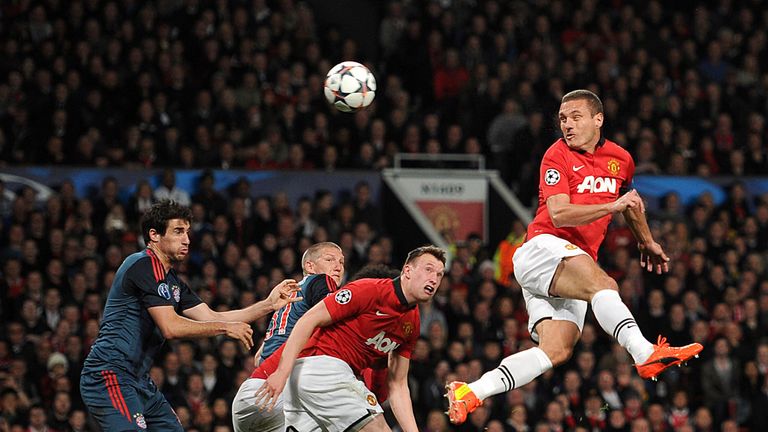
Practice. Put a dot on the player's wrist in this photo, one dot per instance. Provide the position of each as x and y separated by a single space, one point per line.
645 244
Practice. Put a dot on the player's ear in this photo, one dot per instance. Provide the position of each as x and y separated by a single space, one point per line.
599 120
407 270
154 235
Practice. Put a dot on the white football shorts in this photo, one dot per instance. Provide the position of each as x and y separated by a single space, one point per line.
246 417
322 394
535 264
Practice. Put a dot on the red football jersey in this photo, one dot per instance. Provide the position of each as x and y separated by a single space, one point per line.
586 178
371 318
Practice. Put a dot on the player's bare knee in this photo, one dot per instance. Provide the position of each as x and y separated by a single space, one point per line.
557 354
602 282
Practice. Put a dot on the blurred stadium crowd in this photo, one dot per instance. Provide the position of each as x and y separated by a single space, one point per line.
237 84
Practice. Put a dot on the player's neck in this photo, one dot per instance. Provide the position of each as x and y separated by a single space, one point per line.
407 293
164 260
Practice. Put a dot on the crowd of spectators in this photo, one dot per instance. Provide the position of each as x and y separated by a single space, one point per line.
237 84
59 258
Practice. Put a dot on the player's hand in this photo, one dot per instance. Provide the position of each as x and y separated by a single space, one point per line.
653 257
283 293
631 200
242 332
266 396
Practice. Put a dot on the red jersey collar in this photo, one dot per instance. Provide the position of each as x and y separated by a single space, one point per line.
599 144
399 293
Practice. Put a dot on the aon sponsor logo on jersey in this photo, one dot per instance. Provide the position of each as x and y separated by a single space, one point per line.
383 344
594 184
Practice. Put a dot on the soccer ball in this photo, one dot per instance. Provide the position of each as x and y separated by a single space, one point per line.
349 86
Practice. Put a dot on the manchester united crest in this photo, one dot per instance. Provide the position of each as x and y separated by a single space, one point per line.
613 166
407 328
371 400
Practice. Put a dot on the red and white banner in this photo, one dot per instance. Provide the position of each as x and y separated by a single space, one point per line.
453 205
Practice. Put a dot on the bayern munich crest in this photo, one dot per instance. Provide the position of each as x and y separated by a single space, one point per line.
551 177
343 296
139 419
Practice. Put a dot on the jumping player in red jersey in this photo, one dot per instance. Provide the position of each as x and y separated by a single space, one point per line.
367 320
584 180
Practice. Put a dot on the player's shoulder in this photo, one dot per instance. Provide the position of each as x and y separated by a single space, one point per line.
368 288
557 147
557 151
143 263
617 150
320 280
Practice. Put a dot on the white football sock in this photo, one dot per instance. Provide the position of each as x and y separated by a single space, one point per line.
616 319
514 371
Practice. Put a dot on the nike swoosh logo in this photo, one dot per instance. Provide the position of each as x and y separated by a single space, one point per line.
576 168
380 313
664 360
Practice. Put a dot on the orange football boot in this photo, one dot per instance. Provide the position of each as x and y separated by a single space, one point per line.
665 356
461 401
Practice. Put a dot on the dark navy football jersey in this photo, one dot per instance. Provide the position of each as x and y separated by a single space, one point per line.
128 337
314 288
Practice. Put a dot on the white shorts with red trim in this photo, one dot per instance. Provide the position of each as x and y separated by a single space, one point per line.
535 264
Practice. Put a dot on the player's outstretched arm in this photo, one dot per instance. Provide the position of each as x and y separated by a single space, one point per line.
399 395
565 214
282 294
318 316
652 255
174 326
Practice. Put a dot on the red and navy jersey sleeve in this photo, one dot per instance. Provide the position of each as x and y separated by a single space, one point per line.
146 278
318 288
188 298
352 300
553 174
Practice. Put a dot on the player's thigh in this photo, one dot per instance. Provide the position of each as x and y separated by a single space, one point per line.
537 261
112 400
322 393
377 424
159 414
579 277
247 417
541 309
557 338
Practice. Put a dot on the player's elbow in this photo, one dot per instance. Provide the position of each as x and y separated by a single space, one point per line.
169 333
557 218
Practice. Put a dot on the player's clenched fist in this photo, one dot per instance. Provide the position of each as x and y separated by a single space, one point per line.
242 332
631 200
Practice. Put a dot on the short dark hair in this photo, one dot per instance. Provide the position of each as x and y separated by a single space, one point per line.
594 102
424 250
159 214
375 271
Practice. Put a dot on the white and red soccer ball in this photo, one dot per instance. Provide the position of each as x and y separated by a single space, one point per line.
349 86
